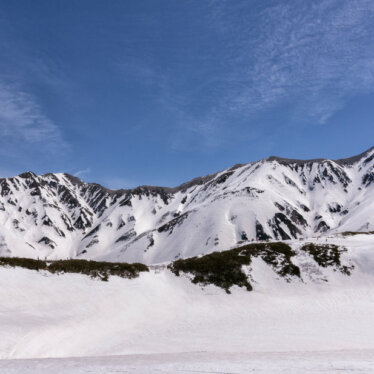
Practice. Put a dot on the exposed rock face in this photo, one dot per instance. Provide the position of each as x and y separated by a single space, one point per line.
60 216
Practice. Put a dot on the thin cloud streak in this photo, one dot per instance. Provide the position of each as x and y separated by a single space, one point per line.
314 55
82 172
23 121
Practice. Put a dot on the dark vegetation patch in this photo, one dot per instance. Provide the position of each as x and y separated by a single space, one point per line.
224 269
353 233
95 269
99 269
27 263
328 255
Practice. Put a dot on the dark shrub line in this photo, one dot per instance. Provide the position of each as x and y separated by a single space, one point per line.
99 269
327 255
353 233
224 269
27 263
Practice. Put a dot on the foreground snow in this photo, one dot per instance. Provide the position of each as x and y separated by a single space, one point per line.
229 363
46 315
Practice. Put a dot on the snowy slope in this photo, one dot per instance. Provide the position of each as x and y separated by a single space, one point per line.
49 315
60 216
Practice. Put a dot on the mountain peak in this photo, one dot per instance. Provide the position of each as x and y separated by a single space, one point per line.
28 174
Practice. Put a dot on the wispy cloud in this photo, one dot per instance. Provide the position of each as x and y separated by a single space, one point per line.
23 121
304 58
82 172
312 56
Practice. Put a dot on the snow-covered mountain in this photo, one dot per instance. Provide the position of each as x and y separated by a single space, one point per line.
60 216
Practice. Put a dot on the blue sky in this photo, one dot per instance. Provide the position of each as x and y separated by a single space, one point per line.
131 92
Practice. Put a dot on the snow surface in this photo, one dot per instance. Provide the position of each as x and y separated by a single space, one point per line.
47 315
332 362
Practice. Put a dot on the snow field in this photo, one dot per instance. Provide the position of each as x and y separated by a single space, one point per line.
331 362
49 315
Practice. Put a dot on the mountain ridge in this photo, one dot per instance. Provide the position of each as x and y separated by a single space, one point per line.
59 215
196 180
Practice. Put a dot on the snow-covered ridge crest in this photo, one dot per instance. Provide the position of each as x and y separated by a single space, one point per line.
60 216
